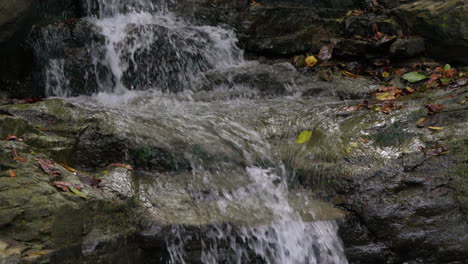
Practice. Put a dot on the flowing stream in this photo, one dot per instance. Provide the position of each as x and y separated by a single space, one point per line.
150 68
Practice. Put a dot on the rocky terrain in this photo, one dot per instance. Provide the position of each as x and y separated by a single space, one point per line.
396 185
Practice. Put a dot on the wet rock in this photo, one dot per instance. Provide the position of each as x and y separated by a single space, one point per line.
17 18
407 47
443 24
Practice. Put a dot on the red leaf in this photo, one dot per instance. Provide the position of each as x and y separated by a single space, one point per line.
65 185
434 108
11 137
33 100
48 167
15 156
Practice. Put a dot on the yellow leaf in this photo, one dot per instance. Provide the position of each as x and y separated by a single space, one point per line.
349 12
377 108
436 128
420 121
311 61
37 253
409 89
352 145
385 74
68 168
78 193
303 137
384 96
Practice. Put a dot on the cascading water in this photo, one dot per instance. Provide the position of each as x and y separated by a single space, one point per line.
140 45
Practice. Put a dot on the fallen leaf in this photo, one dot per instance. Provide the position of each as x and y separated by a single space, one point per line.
48 167
15 156
420 122
128 167
65 186
434 108
387 108
435 128
11 137
414 77
78 193
352 145
462 102
303 137
12 173
436 150
254 3
434 77
36 253
68 168
91 181
450 73
310 61
356 12
409 89
384 96
62 186
349 74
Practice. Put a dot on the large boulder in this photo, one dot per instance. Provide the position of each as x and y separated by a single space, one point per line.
444 24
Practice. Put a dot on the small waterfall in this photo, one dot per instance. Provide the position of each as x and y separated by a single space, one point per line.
114 50
140 45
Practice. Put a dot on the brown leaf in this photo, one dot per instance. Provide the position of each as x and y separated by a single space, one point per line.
48 167
450 73
349 74
434 108
254 3
91 181
15 156
12 173
387 108
434 77
128 167
326 52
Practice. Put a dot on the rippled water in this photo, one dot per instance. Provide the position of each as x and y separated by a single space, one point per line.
235 186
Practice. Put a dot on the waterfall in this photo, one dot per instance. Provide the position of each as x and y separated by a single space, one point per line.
140 45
